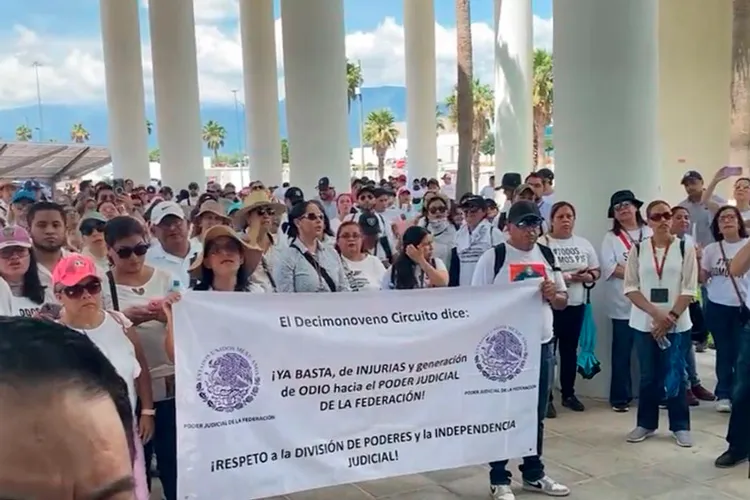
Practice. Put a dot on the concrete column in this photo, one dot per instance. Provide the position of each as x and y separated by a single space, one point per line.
261 90
123 71
316 90
606 122
421 93
178 119
514 53
695 73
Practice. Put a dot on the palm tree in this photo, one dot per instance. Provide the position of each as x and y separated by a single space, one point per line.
149 126
464 116
154 155
439 116
542 95
739 153
79 134
353 82
381 133
284 150
23 133
483 110
213 135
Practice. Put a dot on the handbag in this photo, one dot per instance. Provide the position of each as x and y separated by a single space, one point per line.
744 311
320 269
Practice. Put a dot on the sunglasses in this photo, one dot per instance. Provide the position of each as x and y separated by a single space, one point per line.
658 217
10 252
438 210
107 197
264 211
230 247
350 236
77 291
366 198
529 223
313 217
258 187
88 227
622 206
126 252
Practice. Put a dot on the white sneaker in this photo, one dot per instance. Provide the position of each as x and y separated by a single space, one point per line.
547 486
724 406
501 492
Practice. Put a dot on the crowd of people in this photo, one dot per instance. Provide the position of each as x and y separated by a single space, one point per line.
109 260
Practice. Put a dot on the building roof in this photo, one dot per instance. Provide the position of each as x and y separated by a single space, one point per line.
51 162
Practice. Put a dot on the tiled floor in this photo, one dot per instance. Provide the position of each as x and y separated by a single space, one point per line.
588 453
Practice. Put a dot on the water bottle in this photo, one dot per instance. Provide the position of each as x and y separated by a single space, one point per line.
663 343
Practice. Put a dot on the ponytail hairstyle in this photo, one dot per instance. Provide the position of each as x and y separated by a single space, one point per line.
403 276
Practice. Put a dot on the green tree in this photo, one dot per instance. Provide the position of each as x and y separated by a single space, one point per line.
542 95
213 135
284 150
154 155
488 145
463 112
439 120
353 82
149 126
23 133
79 134
381 134
483 111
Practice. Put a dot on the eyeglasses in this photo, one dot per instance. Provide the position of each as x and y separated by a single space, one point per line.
107 197
438 210
622 206
89 226
258 187
366 197
350 236
658 217
533 223
727 217
313 217
77 291
126 252
8 253
472 210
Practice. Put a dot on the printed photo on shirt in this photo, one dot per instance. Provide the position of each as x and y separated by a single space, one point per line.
525 271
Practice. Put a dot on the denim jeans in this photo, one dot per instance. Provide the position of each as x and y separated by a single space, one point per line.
654 365
164 444
621 384
726 328
532 468
567 327
691 372
738 435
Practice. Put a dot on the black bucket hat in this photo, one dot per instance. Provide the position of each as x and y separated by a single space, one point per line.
620 197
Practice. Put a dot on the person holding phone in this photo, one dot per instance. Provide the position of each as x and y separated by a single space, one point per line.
740 193
697 204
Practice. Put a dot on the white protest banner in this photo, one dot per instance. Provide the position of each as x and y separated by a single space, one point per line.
283 393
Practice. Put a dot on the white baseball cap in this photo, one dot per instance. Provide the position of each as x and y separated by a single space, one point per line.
164 209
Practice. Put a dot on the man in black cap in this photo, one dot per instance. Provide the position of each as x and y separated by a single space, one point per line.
508 185
373 242
292 196
700 215
327 197
522 258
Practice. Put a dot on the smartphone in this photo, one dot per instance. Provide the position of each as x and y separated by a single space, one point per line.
51 310
119 186
732 171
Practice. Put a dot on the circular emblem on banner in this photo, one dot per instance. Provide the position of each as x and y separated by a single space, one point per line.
501 355
228 379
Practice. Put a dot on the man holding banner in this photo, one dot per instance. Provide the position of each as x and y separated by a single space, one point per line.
522 259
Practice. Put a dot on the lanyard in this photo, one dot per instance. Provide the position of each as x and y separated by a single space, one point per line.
660 266
627 240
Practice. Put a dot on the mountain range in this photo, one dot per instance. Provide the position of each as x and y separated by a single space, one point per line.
59 118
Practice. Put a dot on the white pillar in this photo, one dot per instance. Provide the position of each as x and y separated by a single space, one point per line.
513 85
178 120
316 93
261 90
123 71
695 71
421 93
606 113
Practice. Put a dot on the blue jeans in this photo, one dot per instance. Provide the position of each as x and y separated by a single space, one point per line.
164 444
691 373
654 365
532 468
726 328
621 384
738 435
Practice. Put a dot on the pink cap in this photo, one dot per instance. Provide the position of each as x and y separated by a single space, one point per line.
14 236
72 269
404 190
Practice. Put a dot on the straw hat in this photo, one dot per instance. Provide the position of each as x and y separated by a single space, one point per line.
257 199
252 253
213 207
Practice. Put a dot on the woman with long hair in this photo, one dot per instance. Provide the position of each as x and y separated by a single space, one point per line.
21 290
579 264
725 317
327 237
363 270
740 193
226 262
344 205
628 230
256 219
308 265
415 266
661 280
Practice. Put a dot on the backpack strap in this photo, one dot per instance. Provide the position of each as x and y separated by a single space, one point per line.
500 252
549 256
682 249
113 291
454 268
386 248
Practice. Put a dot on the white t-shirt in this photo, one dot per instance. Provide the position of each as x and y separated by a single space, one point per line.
719 286
10 305
470 246
423 281
520 266
110 338
449 190
573 254
157 257
615 251
487 192
151 333
364 275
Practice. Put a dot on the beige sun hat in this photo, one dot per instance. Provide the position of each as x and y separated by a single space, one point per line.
257 199
213 207
252 253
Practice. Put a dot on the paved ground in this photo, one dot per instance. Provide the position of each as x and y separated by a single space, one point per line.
588 452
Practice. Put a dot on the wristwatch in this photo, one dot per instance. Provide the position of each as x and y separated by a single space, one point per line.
148 413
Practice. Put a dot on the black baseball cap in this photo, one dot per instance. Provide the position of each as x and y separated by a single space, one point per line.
511 181
324 183
367 188
690 176
473 201
193 186
369 224
294 194
546 174
524 212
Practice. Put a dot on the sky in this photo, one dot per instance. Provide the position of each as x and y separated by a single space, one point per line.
65 38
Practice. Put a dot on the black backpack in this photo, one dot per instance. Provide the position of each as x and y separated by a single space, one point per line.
500 252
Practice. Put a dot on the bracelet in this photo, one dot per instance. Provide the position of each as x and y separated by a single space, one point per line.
673 315
148 413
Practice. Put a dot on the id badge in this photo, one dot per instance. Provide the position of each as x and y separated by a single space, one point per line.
659 295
